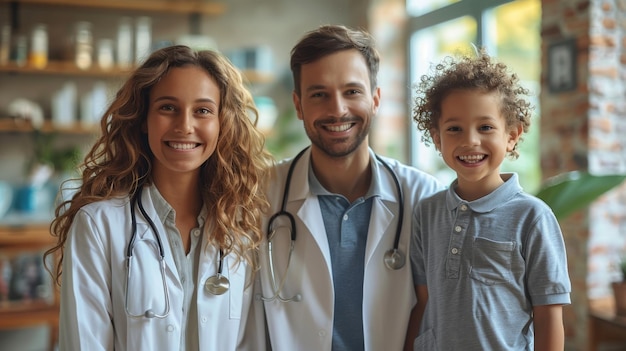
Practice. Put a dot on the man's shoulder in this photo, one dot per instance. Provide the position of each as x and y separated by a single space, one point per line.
407 172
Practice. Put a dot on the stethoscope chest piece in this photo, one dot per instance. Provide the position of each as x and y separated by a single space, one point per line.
217 284
394 259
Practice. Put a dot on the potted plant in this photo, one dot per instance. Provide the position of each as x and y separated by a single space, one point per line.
48 163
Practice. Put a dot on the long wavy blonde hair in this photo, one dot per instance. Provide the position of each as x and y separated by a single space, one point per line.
232 180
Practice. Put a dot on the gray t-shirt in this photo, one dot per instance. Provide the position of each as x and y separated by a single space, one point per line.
486 264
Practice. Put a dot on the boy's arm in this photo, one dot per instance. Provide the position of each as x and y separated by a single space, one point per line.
548 325
416 317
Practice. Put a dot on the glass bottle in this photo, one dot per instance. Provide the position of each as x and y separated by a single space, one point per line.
83 45
125 43
38 56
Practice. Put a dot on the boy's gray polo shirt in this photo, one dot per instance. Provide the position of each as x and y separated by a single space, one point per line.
486 264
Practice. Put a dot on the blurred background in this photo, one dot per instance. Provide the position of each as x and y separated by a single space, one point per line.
62 60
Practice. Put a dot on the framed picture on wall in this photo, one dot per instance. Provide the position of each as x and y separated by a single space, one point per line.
562 66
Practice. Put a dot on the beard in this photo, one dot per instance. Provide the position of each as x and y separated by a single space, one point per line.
334 146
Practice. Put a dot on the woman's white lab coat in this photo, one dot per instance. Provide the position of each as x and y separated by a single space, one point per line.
388 295
93 315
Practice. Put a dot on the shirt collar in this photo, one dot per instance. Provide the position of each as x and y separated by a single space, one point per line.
489 202
374 190
165 211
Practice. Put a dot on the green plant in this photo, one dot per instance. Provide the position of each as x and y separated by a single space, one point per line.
61 160
572 191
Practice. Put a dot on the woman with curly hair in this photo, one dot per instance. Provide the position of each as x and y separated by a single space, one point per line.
157 246
490 262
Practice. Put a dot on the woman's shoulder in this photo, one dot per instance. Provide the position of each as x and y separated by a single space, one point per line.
109 207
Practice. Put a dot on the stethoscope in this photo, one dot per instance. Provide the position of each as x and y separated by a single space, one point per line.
216 284
393 259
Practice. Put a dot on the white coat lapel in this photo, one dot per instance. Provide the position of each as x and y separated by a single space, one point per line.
309 212
311 216
381 231
380 222
170 266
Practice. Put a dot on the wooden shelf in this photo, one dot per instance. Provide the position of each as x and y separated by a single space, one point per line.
257 77
171 6
29 313
65 68
26 235
11 125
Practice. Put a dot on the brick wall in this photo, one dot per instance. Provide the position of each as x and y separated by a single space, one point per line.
583 129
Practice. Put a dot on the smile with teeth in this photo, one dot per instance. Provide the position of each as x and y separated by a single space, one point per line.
472 158
182 146
339 128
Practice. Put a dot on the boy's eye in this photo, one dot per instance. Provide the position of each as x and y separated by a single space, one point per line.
453 129
167 108
486 128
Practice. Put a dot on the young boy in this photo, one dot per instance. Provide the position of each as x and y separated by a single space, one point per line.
489 260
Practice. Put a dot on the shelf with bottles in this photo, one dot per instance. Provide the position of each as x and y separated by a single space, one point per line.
179 6
24 282
28 295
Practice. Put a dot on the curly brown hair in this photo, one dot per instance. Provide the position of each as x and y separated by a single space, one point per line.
232 179
480 72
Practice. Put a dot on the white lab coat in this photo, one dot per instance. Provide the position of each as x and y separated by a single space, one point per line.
388 295
93 315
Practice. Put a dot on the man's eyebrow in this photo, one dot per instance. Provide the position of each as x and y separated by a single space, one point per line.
315 87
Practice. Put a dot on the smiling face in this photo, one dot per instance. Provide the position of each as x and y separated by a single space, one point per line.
336 103
183 121
473 139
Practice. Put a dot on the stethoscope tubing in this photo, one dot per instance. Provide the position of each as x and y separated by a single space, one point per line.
393 259
283 210
136 201
216 285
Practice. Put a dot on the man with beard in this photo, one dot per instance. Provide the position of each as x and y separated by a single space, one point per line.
335 271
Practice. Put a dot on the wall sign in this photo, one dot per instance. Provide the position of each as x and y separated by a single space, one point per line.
562 66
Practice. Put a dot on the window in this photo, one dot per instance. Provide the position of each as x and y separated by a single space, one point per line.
509 30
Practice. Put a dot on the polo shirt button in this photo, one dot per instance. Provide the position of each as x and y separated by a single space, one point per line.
458 228
321 333
455 251
463 207
195 232
345 217
170 328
